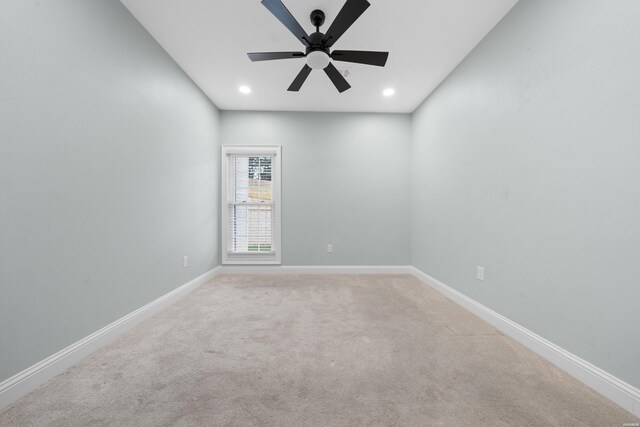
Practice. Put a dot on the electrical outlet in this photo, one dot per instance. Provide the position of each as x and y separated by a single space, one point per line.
330 248
480 273
185 261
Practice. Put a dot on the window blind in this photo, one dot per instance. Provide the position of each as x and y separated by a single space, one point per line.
251 211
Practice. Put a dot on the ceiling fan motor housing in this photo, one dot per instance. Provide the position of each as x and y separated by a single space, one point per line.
317 55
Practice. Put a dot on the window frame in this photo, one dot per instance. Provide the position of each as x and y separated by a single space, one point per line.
228 151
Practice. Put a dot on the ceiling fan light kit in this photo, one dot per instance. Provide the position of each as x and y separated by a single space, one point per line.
318 45
317 60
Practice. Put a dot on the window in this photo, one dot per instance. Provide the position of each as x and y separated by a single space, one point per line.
251 204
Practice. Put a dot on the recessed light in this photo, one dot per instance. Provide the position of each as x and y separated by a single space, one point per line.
388 92
245 90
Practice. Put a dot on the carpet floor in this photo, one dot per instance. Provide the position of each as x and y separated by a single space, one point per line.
296 350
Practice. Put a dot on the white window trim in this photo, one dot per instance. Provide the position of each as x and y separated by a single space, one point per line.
275 256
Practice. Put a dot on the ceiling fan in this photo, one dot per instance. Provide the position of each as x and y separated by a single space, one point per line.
318 45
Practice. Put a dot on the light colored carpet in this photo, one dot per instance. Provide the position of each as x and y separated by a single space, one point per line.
314 350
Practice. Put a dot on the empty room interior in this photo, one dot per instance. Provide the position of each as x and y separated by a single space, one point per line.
320 212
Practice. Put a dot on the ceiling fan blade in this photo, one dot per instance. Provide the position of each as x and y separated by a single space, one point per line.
300 78
351 11
340 83
361 57
269 56
280 11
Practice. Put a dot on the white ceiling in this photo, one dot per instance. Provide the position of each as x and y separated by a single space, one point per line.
426 39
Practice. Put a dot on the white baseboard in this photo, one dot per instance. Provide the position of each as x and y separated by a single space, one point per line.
315 269
616 390
31 378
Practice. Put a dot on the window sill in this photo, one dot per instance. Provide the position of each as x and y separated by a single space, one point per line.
251 258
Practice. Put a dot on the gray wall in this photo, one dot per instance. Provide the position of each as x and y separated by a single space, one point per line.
526 161
345 180
108 174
